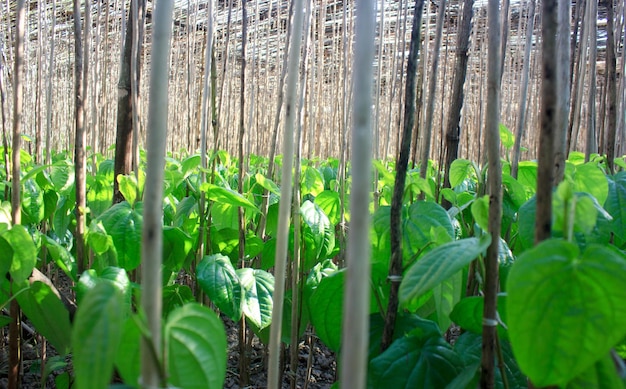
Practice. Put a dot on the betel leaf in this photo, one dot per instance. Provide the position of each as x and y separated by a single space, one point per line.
33 207
591 179
96 336
48 314
128 357
326 309
177 245
62 175
115 276
330 203
61 256
311 182
601 375
195 344
267 184
469 347
219 280
468 314
417 360
480 212
24 253
565 309
446 295
616 205
460 170
506 136
440 264
318 235
6 255
258 288
128 187
422 218
124 225
227 196
175 296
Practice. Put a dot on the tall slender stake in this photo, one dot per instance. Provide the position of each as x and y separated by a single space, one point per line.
355 330
16 205
432 85
79 143
282 238
152 235
494 182
521 119
395 266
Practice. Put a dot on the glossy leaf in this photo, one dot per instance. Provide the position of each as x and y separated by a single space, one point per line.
48 314
318 235
32 202
460 170
227 196
330 203
24 253
219 280
415 361
128 356
440 264
124 225
258 288
96 336
195 344
566 307
61 256
326 309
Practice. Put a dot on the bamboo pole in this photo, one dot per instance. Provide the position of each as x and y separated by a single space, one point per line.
282 237
494 182
16 205
355 322
152 375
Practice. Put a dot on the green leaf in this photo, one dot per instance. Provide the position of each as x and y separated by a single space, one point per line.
61 256
177 245
115 276
219 280
258 287
469 347
99 195
440 264
124 225
33 207
96 336
318 235
590 178
24 253
330 203
326 309
48 314
527 175
267 184
565 307
175 296
446 295
506 137
311 181
460 170
616 205
128 187
6 255
415 361
422 218
227 196
480 212
128 356
195 344
62 176
468 314
601 375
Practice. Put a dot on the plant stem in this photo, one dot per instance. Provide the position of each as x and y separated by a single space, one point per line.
395 266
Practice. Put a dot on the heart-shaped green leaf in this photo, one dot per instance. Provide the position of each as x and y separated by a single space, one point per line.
565 309
219 280
195 344
258 288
